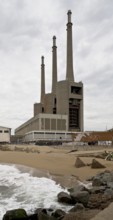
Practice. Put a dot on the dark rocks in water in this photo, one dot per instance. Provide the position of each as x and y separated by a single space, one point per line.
44 216
78 206
19 214
33 217
59 213
80 197
64 198
78 188
38 210
87 202
96 164
79 163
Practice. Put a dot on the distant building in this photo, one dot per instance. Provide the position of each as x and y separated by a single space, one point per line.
62 109
93 138
5 134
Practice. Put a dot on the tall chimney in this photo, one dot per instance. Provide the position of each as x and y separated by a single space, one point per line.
42 80
54 65
69 70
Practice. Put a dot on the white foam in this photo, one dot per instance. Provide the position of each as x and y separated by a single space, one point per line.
22 190
86 184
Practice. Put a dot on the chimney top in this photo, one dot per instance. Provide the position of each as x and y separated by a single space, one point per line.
54 40
69 16
42 59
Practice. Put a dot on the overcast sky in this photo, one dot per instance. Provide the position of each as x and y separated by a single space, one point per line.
26 31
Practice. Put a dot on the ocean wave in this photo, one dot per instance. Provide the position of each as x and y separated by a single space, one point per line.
20 188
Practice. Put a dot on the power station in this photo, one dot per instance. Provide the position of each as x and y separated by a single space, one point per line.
61 111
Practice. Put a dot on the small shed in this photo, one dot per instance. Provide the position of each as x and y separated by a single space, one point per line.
5 134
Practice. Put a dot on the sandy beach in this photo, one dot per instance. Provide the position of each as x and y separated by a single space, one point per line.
57 162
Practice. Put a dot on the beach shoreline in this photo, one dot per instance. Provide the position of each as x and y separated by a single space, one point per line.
57 163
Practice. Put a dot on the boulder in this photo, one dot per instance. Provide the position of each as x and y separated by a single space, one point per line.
78 206
79 163
97 189
96 164
19 214
80 197
109 193
105 178
64 198
33 217
77 188
97 181
44 216
59 213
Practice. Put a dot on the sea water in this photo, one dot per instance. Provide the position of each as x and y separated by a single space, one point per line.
20 189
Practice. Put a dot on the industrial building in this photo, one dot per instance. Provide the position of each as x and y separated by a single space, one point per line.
5 134
61 110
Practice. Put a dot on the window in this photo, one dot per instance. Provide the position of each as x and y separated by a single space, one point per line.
75 90
42 109
54 110
6 131
55 101
0 131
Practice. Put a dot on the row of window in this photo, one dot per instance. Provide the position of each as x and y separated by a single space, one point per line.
5 131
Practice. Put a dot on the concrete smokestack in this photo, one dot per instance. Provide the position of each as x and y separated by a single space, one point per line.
54 65
69 70
42 79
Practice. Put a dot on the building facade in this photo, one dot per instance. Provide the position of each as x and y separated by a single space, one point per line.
64 105
5 134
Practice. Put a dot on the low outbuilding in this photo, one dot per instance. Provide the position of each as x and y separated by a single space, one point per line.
5 134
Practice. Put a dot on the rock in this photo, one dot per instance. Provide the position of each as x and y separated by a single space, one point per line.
104 178
107 177
81 215
78 188
99 201
58 213
19 214
64 198
33 217
44 216
80 197
95 164
79 163
78 206
97 181
110 185
97 189
109 192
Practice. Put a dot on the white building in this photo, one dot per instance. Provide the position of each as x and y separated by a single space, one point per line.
5 134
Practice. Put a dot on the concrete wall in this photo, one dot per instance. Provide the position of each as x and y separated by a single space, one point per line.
49 122
62 95
49 103
5 134
37 108
32 124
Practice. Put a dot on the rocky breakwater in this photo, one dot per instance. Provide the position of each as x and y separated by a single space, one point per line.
86 202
